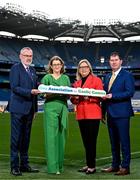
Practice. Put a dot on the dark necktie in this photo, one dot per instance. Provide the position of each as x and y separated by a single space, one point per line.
29 72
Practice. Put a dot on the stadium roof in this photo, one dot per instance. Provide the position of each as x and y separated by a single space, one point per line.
15 20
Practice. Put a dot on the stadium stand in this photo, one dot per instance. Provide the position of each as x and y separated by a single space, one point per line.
70 52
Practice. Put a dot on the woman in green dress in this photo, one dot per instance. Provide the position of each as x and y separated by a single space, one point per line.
55 116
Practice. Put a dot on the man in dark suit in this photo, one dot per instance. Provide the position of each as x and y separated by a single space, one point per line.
120 88
22 107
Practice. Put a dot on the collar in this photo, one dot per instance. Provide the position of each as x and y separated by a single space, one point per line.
25 66
117 72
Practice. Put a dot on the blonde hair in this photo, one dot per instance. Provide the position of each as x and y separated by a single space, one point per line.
78 75
49 69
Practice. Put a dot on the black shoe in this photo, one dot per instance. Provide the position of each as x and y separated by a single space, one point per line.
16 172
28 169
84 169
90 171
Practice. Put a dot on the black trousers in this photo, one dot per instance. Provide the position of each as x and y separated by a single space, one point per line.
89 129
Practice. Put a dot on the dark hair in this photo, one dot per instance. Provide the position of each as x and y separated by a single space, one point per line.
115 53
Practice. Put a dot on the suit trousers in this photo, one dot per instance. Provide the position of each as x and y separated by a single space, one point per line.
20 138
89 129
120 140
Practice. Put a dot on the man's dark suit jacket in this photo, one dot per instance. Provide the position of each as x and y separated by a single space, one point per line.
21 85
122 90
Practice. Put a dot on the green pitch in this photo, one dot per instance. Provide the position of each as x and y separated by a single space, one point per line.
74 155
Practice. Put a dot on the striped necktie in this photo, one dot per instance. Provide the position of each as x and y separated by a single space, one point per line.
111 80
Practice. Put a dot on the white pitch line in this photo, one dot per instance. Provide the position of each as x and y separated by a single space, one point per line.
103 158
43 158
33 157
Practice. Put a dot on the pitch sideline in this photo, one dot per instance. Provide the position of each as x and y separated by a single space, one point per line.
43 158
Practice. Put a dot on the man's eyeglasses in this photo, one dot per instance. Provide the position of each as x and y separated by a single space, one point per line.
55 65
83 67
26 55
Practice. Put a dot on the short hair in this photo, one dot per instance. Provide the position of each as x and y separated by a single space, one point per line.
26 48
78 75
115 53
49 69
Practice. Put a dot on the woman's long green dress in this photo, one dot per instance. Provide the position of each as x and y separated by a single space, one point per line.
55 124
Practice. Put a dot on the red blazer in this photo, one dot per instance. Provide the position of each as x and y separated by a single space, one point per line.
90 108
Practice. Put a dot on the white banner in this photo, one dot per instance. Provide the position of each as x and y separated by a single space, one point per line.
71 91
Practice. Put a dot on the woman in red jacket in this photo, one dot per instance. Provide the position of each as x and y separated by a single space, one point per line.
88 113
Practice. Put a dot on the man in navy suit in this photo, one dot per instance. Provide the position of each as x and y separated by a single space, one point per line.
22 107
119 110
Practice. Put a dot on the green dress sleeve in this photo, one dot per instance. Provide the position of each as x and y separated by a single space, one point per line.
45 80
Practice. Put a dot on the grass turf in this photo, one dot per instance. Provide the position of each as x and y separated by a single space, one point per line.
74 155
